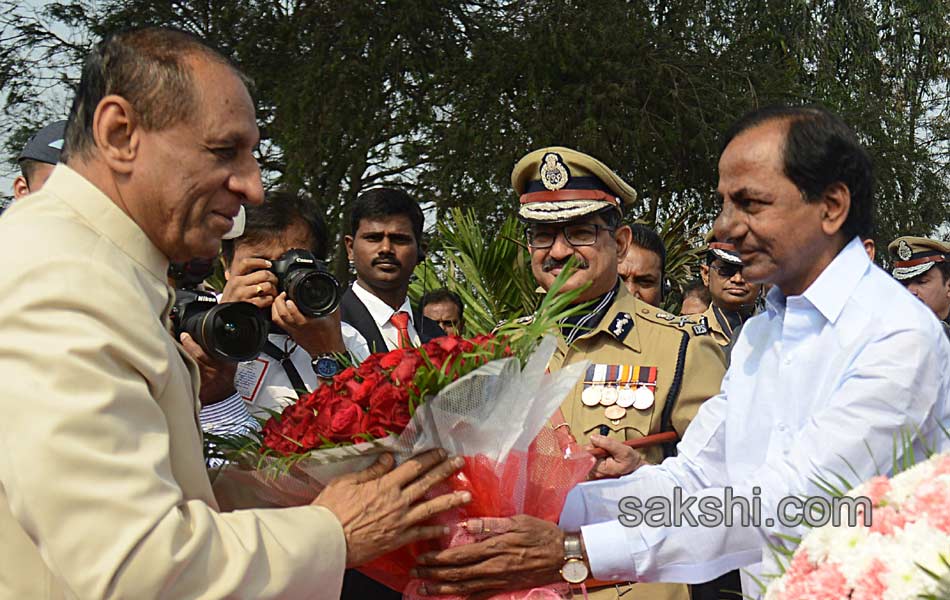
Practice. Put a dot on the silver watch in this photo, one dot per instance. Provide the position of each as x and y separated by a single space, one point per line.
574 570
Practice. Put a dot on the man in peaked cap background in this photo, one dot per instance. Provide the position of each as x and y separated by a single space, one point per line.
922 266
649 375
733 298
38 158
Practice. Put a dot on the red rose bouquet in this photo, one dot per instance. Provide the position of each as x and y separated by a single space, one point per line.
486 399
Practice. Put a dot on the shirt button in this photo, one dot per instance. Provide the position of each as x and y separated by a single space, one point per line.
782 427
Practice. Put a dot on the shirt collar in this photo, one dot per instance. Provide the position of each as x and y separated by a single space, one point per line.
379 310
834 285
102 215
576 326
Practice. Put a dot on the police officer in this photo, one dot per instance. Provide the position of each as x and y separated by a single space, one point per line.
733 298
650 370
38 158
922 265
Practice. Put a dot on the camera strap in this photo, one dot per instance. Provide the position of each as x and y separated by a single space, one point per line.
283 357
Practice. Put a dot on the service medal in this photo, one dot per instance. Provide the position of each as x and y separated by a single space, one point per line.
626 397
643 398
609 396
591 395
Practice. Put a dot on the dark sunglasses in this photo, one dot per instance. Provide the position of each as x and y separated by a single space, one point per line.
728 271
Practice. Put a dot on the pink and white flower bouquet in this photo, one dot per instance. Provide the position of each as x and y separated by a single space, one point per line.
904 554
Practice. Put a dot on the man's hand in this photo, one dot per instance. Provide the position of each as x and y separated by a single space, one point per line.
217 376
381 508
620 460
250 281
316 336
526 552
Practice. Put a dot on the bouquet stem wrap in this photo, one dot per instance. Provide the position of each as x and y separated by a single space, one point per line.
495 417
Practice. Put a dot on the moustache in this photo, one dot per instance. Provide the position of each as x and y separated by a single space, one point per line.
550 264
386 260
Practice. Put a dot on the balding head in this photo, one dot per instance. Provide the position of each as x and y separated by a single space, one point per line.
152 69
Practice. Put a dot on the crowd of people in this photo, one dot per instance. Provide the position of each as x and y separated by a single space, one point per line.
793 355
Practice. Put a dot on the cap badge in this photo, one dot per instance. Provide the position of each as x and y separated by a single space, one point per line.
903 251
554 173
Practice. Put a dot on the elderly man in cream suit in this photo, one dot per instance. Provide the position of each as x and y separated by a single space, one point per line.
103 490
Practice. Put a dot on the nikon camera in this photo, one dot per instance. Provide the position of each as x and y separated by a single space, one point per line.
234 331
307 282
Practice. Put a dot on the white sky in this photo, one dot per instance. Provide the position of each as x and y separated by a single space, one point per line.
8 172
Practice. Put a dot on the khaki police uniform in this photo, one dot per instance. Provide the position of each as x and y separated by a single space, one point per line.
671 356
715 318
689 371
914 256
719 329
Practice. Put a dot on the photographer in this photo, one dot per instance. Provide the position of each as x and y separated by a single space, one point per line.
297 344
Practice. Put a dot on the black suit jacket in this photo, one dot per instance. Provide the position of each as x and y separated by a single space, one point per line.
354 312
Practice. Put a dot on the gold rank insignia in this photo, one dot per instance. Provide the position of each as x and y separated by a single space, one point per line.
554 174
904 251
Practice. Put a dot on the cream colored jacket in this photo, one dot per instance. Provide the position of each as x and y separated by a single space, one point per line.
103 488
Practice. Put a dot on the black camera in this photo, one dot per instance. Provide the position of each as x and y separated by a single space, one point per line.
233 331
307 282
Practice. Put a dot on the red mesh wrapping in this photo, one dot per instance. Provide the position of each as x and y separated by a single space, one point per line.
535 483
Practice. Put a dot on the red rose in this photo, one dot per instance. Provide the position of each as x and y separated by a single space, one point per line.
347 422
370 363
393 358
342 378
448 343
389 407
404 372
361 391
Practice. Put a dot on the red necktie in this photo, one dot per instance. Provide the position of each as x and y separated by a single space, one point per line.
400 321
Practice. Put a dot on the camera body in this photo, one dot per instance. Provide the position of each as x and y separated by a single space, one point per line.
233 331
308 282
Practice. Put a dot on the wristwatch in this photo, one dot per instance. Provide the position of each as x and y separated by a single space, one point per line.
325 366
575 570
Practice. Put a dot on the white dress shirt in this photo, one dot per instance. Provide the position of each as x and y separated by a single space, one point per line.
381 313
820 384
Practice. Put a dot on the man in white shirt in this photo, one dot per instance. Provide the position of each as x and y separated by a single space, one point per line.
823 383
384 246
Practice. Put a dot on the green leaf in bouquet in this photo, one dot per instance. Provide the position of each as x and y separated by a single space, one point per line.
792 539
943 581
762 584
828 487
554 308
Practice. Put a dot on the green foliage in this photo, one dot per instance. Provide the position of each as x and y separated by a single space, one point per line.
684 251
443 97
491 273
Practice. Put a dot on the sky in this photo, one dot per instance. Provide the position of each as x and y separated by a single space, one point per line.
59 101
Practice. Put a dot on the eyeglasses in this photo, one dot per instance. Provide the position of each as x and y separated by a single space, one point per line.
728 271
577 234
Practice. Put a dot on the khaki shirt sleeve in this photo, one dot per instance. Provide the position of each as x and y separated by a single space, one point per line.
703 371
86 463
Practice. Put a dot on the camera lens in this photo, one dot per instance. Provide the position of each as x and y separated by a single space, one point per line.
234 331
316 293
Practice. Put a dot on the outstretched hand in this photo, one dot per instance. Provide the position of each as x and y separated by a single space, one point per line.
522 552
382 509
